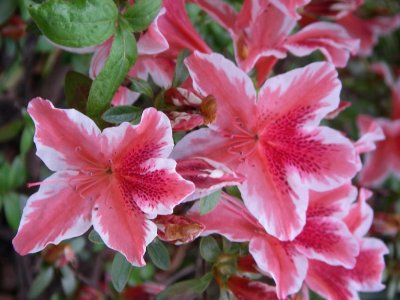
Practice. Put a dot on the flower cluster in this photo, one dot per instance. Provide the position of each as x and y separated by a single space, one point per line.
302 223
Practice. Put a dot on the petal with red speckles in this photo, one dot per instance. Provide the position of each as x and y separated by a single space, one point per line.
121 224
327 239
59 135
155 186
331 39
54 213
281 260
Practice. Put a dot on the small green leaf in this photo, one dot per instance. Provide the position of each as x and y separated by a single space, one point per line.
10 130
209 249
4 174
68 281
209 202
159 254
95 238
12 209
181 72
27 139
41 282
120 271
76 89
78 23
142 86
17 175
186 288
142 13
122 56
122 113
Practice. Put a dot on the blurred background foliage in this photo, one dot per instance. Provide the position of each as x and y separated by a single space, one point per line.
81 268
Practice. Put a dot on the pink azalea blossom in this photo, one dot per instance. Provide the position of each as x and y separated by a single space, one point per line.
115 180
325 237
337 283
369 30
261 34
385 160
158 47
244 288
333 9
272 138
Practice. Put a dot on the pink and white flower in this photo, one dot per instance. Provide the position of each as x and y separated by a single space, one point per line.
116 180
325 237
272 138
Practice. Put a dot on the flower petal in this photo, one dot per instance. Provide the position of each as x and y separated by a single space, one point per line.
154 186
287 267
331 39
289 7
370 132
327 239
278 203
56 212
122 225
128 144
244 288
220 11
214 75
229 218
360 217
207 175
59 135
311 92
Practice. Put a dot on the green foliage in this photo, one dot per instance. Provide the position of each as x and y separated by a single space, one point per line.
209 202
187 288
12 209
76 89
120 271
122 56
7 8
209 249
142 13
122 113
159 254
142 86
181 72
78 23
95 238
41 282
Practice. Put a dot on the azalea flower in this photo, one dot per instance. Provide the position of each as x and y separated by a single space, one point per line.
116 180
385 160
337 283
325 237
272 138
169 34
261 34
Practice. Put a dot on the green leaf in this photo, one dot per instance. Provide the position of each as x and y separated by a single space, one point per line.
122 56
41 282
7 8
17 175
68 281
120 271
181 72
142 13
95 238
4 173
209 202
122 113
159 254
12 209
27 139
209 249
142 86
187 288
76 89
78 23
10 130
